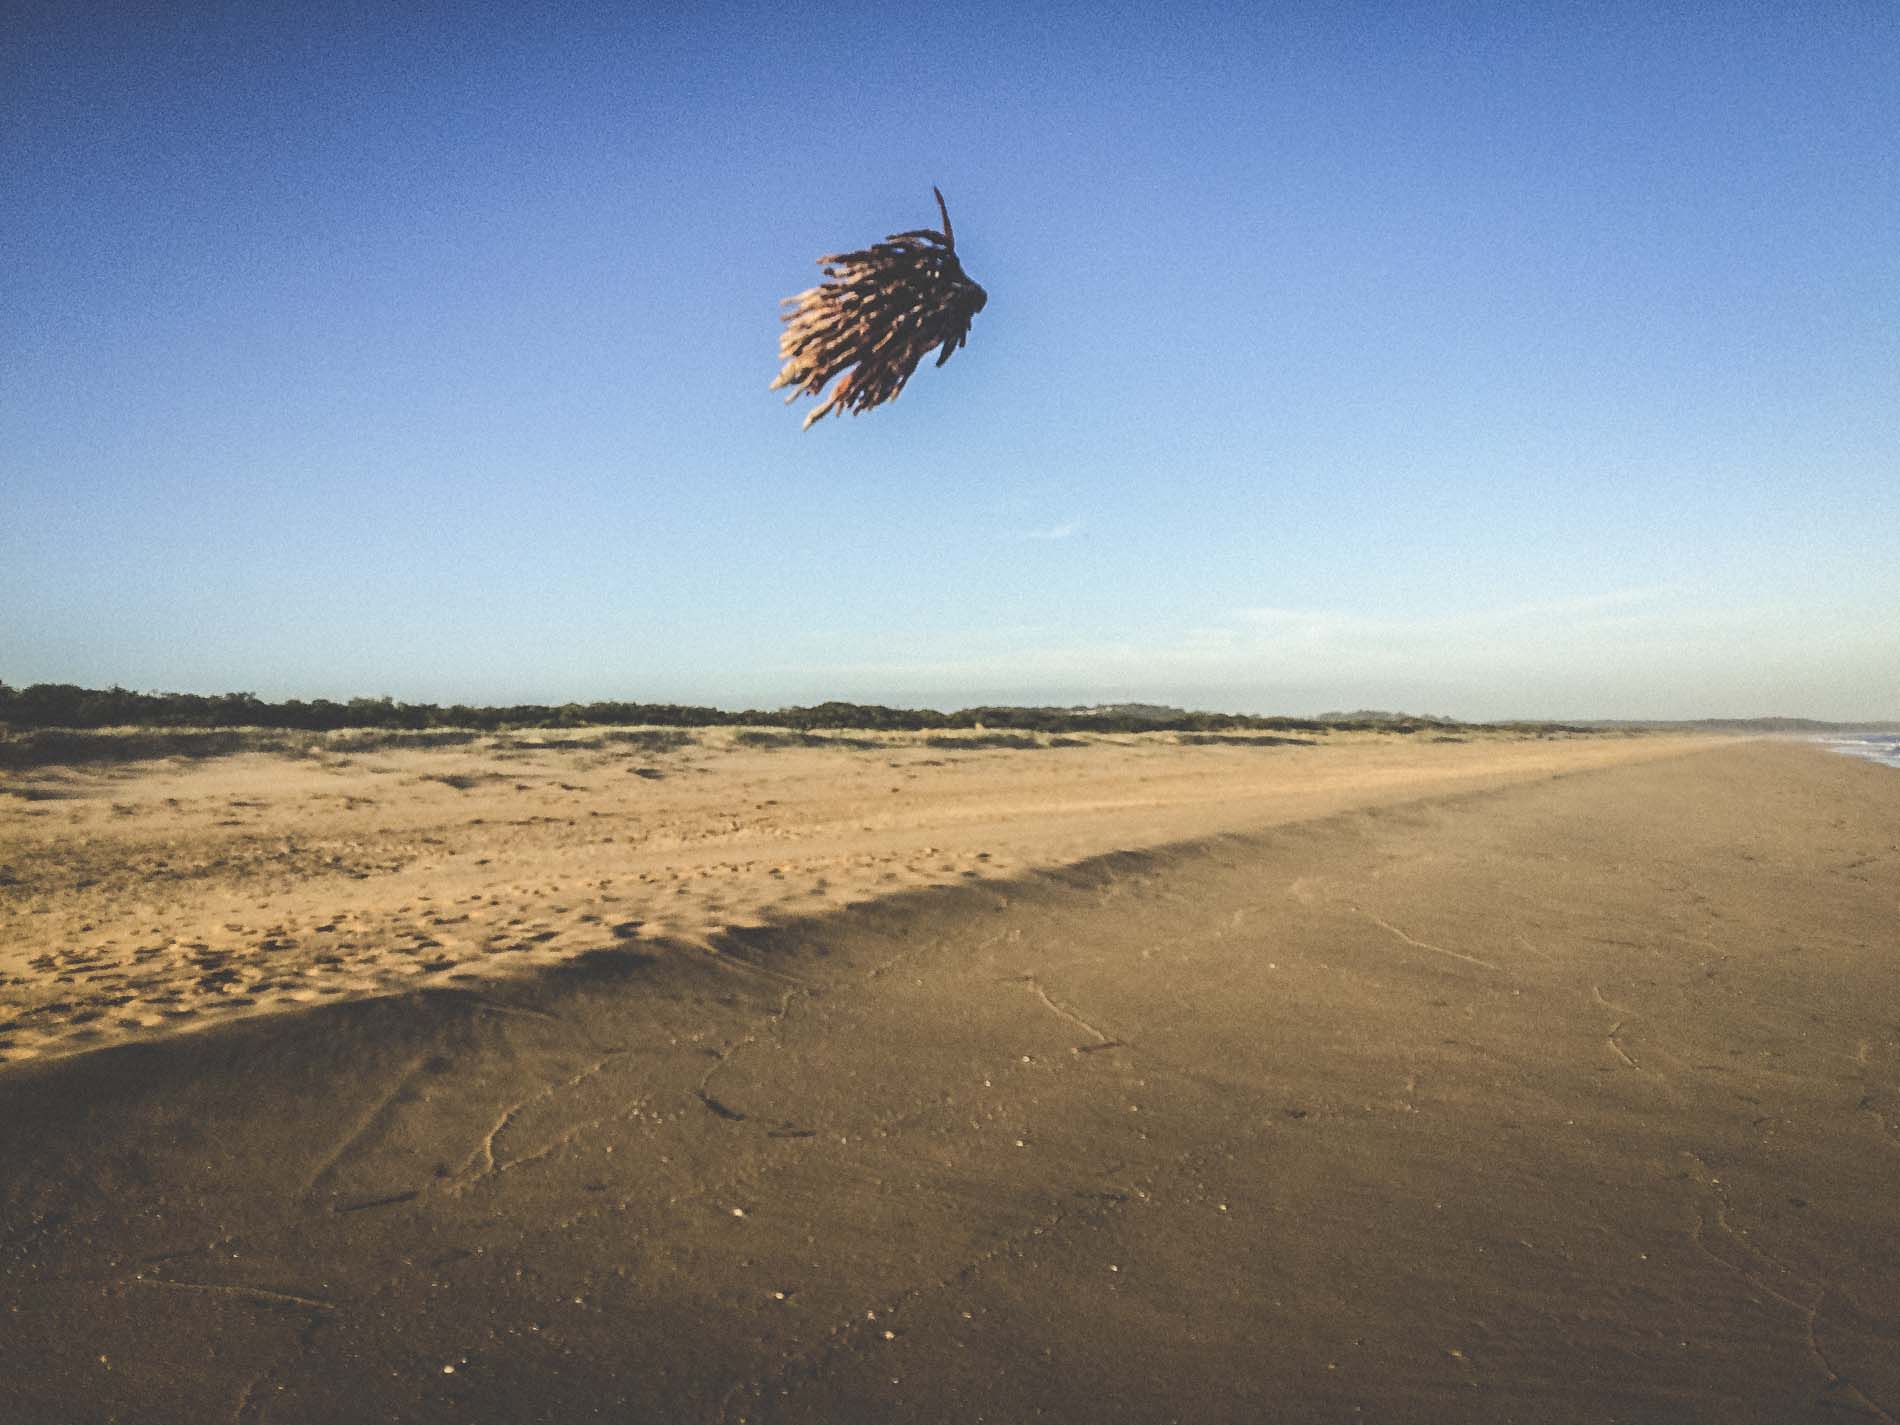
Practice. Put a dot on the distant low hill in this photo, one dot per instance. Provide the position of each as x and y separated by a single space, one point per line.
1759 725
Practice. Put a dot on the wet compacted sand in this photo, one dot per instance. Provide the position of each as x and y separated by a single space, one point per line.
1128 1081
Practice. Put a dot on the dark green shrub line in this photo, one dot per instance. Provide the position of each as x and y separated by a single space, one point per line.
65 706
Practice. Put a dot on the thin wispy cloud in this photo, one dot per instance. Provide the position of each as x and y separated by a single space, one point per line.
1059 531
1243 642
1562 657
1622 608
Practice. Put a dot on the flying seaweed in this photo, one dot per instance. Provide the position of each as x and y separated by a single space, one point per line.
877 314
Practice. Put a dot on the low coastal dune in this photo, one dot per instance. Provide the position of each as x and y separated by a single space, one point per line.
1126 1082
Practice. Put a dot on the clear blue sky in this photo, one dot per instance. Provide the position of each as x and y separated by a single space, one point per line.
1529 359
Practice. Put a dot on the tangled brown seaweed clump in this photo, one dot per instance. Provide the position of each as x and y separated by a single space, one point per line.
878 313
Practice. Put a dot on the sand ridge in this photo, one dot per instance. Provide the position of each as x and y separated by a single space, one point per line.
152 898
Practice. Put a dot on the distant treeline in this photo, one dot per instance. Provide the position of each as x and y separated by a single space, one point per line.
62 705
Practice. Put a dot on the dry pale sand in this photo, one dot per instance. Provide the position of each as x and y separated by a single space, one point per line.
1460 1082
143 900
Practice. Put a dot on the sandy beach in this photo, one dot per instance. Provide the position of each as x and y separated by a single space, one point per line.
145 898
736 1078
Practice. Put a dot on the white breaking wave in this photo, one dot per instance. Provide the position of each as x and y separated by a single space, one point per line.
1883 747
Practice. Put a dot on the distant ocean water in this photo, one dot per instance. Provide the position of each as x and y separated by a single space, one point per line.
1875 746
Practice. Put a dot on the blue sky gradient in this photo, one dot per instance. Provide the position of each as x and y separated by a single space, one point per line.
1535 360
